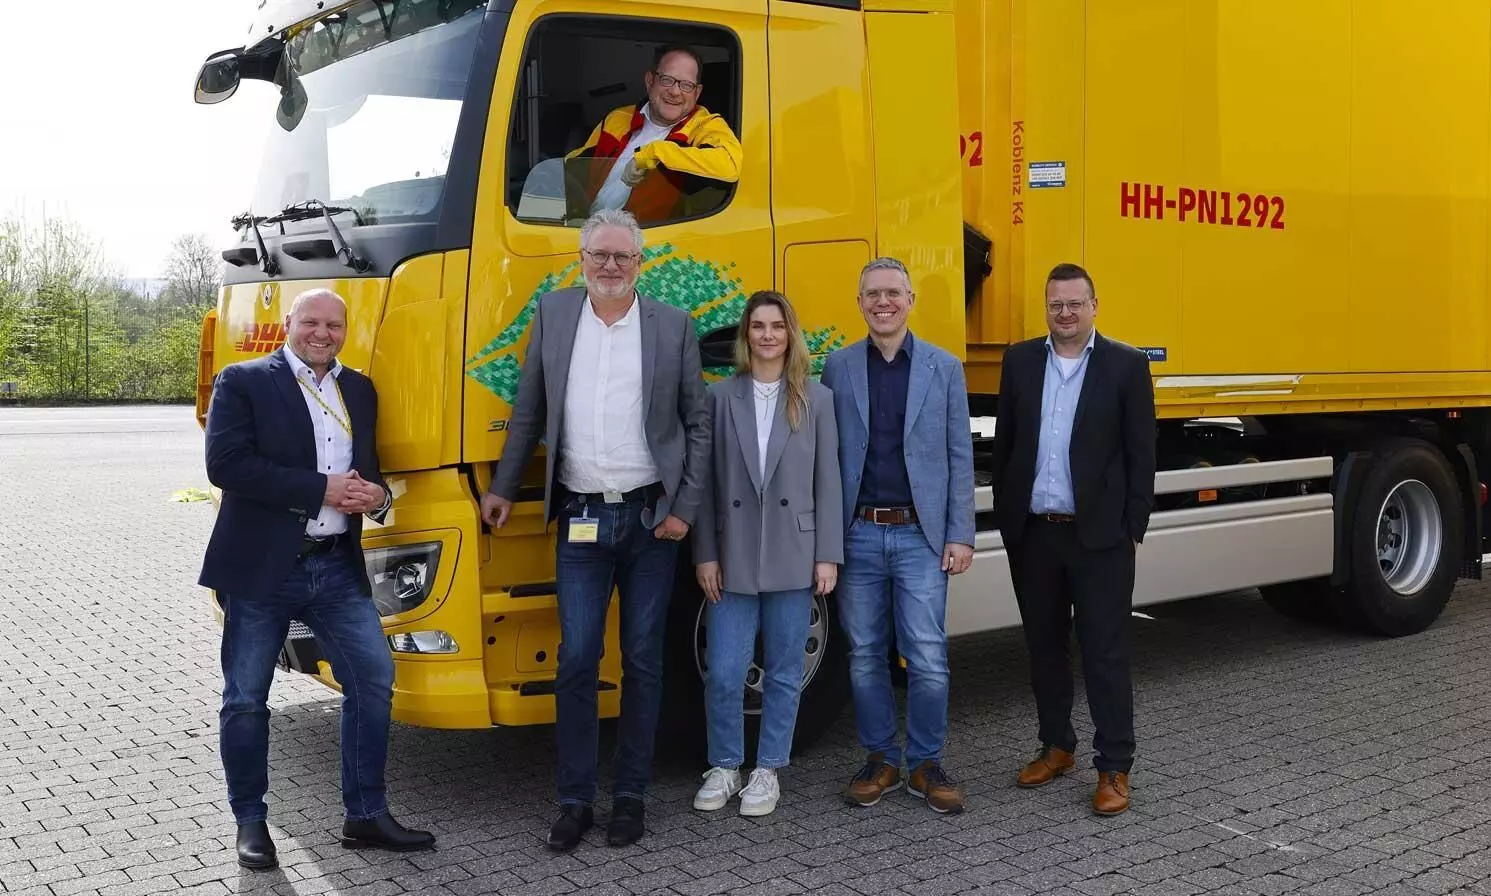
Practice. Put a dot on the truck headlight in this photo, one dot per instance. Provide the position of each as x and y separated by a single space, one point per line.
402 577
423 642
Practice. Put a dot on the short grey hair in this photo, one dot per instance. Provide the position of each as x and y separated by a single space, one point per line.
884 263
611 217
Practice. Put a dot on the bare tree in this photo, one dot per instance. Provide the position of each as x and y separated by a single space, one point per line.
193 274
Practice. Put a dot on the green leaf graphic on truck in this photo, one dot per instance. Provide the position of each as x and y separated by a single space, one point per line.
706 290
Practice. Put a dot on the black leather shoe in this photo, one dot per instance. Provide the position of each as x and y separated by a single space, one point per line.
255 849
626 821
570 827
383 832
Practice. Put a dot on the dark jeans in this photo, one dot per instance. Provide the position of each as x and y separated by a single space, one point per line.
326 594
626 556
1053 574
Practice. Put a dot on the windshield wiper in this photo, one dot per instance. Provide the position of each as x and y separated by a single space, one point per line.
336 247
242 255
311 208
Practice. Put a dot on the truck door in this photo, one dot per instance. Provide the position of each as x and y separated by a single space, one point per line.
822 179
567 66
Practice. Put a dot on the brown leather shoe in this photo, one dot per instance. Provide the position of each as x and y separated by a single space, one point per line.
874 781
932 784
1112 796
1045 768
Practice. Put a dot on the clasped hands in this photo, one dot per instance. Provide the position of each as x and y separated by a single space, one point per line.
350 493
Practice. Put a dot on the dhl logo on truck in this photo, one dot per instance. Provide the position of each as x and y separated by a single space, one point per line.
261 339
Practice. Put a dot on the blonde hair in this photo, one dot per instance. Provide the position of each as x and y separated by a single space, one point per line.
795 366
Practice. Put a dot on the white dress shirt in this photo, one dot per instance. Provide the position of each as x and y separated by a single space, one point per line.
614 192
605 444
333 438
766 411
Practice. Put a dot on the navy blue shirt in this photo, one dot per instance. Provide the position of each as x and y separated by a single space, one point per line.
885 481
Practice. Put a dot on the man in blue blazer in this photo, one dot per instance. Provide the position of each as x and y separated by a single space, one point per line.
290 441
906 457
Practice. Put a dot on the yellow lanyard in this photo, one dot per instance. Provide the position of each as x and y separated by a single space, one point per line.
345 421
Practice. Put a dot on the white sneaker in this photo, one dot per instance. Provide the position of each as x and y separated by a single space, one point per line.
720 784
760 796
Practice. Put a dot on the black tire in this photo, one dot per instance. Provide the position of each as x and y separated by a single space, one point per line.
682 733
1402 593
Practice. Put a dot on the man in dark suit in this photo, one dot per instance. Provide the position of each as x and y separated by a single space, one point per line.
1074 468
290 441
612 382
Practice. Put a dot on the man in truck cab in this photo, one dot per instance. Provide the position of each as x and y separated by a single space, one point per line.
668 159
612 382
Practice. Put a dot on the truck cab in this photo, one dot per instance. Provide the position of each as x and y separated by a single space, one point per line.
419 164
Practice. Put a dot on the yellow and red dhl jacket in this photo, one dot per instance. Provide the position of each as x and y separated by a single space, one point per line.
700 146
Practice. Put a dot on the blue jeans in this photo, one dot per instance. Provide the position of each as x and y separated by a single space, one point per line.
893 577
324 592
626 556
782 618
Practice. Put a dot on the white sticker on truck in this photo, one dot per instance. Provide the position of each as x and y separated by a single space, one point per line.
1047 174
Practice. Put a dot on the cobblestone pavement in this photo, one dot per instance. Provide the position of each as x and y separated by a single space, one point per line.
1273 758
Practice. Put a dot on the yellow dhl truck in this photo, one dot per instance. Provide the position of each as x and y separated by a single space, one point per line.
1285 205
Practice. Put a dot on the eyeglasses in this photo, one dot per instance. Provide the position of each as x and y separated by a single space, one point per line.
670 81
1074 307
623 259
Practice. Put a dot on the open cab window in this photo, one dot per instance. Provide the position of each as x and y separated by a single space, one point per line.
579 117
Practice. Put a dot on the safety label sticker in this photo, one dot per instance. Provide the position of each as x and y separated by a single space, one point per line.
1047 174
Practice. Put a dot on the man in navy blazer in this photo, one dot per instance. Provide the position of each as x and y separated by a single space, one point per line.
906 457
291 443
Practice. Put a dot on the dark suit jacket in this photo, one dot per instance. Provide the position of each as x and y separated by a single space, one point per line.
675 420
261 451
1112 442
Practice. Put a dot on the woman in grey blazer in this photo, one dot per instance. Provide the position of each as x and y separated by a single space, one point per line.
768 537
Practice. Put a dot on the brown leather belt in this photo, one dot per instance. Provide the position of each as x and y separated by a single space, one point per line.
1055 517
887 516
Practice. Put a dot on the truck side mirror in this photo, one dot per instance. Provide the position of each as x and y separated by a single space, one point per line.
219 78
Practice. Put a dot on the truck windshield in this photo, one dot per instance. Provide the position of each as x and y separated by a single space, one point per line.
383 83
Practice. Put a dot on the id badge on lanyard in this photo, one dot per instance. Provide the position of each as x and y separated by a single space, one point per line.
584 529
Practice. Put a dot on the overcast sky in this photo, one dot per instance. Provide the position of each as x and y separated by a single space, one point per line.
98 122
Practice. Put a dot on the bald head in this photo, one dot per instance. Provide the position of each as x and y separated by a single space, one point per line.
318 295
316 327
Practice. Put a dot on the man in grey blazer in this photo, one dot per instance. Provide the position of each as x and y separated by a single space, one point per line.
906 454
627 454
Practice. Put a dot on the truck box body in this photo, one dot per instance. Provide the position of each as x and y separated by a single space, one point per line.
1289 195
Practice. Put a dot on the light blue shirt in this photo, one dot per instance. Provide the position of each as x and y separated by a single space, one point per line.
1052 491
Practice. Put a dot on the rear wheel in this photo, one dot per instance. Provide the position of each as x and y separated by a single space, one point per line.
1406 536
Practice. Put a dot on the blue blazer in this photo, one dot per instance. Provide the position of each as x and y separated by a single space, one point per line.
261 451
938 442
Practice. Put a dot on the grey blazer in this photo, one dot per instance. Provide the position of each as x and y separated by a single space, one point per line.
673 396
767 535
